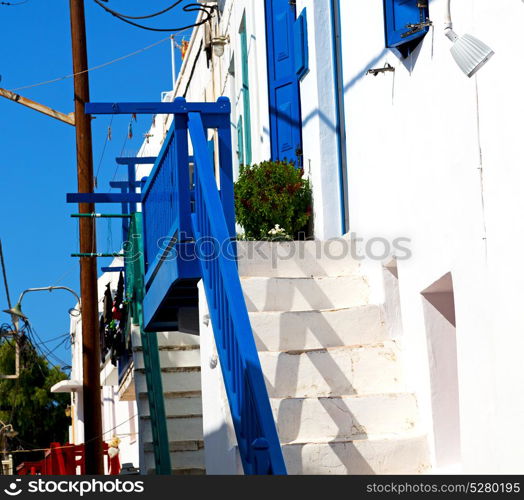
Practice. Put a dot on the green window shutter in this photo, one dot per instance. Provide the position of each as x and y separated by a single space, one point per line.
240 142
245 92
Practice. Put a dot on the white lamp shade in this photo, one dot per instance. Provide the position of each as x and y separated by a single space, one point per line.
470 54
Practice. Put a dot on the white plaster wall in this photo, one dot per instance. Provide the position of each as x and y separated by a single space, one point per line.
230 24
418 141
119 418
319 120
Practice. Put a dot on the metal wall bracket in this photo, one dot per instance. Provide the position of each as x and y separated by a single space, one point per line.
415 28
375 71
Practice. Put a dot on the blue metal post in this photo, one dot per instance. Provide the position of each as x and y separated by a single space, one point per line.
226 169
181 144
125 211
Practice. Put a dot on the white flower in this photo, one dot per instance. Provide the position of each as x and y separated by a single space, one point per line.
277 231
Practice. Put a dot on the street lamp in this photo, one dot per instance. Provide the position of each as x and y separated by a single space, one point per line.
16 311
6 431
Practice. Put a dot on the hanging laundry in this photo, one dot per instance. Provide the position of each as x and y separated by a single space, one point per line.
108 305
185 46
119 298
130 130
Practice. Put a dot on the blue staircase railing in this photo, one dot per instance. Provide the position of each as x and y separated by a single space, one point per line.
182 217
255 428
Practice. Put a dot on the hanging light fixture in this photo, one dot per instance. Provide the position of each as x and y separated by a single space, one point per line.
469 52
219 43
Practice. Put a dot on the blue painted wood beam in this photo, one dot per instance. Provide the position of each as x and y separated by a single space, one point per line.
113 269
152 108
135 160
104 198
125 184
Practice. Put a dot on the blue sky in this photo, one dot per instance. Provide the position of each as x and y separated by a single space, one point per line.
37 159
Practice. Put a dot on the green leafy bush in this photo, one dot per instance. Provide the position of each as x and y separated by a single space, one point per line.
272 194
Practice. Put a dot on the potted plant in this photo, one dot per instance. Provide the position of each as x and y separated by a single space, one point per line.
273 201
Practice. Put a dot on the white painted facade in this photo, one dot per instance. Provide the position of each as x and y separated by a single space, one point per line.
434 157
119 417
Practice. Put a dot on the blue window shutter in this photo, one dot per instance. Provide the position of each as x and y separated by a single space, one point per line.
400 13
301 45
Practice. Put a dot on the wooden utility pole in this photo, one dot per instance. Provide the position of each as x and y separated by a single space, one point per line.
94 458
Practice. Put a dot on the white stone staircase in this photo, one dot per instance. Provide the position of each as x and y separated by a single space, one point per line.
180 365
333 372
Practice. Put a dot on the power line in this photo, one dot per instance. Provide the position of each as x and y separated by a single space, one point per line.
62 339
149 16
73 445
5 276
44 350
192 7
72 75
108 138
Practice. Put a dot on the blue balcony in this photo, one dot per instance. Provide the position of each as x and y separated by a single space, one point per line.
168 201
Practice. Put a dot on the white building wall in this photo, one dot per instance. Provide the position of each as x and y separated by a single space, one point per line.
436 157
119 418
319 120
432 156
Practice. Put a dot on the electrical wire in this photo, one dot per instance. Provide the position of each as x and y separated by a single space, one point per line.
44 350
192 7
108 138
4 273
103 65
28 347
73 445
121 154
149 16
34 350
60 337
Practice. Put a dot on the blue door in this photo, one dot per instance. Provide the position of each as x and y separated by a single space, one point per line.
284 92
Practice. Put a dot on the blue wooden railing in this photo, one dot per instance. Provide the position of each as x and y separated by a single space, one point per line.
246 390
165 203
180 213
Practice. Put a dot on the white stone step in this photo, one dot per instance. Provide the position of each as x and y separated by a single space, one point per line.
340 371
375 455
304 294
293 330
296 259
182 380
175 406
188 462
166 338
179 429
348 417
172 357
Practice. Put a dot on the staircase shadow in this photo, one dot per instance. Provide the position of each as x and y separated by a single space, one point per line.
334 378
